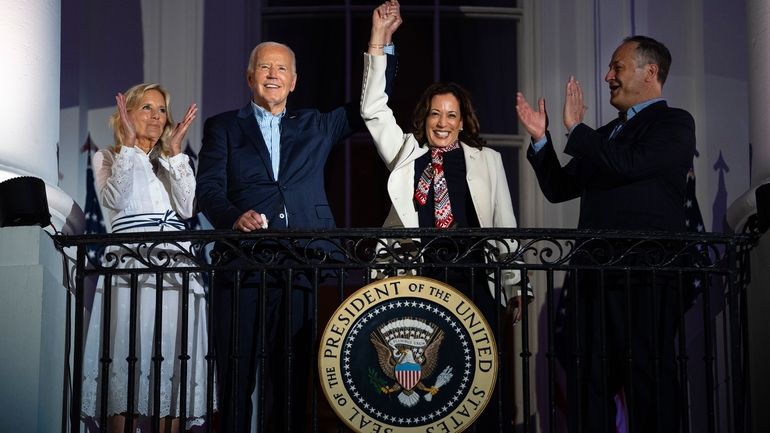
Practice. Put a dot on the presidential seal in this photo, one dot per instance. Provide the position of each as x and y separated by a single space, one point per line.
408 354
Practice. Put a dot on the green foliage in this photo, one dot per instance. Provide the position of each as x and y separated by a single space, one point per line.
376 380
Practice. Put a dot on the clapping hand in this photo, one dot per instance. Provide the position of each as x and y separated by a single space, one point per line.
129 139
535 122
574 109
177 135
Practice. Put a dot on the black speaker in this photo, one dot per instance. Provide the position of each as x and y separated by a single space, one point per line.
762 195
23 202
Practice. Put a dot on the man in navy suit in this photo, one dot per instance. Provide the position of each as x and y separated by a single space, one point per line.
631 175
263 167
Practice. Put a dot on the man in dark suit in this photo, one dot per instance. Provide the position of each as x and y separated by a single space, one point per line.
629 174
263 167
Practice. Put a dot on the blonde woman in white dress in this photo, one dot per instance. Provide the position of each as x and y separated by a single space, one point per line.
146 183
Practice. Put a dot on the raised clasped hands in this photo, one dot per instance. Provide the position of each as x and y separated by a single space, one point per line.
177 135
386 18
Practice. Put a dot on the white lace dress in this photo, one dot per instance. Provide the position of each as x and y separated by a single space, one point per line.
140 195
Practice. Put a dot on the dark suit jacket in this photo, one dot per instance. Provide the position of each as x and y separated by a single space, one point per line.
235 173
636 181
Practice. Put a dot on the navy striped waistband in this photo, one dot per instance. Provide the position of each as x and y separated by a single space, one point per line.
162 220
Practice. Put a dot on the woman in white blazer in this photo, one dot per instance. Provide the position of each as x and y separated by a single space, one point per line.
442 176
443 119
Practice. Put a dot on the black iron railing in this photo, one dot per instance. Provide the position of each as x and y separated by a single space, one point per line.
707 274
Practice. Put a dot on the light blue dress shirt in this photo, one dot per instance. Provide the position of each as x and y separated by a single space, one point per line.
270 125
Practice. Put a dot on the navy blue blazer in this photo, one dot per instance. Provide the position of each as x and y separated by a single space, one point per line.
235 173
635 181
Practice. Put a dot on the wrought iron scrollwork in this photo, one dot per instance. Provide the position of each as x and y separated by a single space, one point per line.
408 249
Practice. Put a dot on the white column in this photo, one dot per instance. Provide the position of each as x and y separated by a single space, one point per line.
759 88
759 116
758 301
30 45
32 331
32 299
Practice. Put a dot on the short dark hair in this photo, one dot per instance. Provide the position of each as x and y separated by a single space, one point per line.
649 51
470 132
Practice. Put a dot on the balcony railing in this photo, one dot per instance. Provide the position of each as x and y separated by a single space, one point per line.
705 275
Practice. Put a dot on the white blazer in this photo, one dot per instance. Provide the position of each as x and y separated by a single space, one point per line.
485 174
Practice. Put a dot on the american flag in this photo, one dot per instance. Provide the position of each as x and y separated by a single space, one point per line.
692 216
693 220
93 212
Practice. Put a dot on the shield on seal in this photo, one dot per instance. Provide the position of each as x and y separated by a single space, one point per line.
408 374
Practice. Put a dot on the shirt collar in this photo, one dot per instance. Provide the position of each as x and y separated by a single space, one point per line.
262 114
633 111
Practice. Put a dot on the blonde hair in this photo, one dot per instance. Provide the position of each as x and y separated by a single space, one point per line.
133 100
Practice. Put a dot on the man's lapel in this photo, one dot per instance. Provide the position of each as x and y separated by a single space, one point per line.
250 127
639 119
288 142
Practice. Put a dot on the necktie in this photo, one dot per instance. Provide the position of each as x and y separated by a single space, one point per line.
622 121
434 175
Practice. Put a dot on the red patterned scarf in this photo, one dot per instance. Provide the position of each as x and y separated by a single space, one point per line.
434 174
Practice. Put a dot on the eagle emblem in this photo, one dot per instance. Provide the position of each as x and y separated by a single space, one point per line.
407 352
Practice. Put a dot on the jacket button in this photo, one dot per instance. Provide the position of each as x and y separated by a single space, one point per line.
281 215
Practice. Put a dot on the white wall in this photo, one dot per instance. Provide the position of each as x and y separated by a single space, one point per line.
32 318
